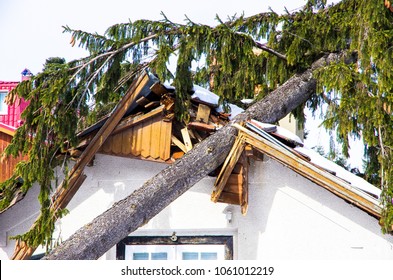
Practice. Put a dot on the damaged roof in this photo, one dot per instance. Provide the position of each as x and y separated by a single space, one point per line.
142 125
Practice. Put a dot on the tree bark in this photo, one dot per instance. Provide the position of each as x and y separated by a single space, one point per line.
127 215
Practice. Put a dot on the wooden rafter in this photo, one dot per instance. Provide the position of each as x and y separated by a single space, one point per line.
227 168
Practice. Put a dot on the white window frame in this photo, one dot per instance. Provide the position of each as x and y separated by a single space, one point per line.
3 105
200 249
175 252
221 245
150 249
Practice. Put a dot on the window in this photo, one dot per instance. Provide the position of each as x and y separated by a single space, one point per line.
3 105
184 248
175 252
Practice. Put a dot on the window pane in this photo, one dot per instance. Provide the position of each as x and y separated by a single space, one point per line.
190 256
140 256
209 256
3 106
159 256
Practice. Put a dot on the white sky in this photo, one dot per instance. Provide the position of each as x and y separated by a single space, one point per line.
31 31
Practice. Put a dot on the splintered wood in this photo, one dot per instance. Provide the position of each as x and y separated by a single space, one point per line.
231 185
203 113
187 139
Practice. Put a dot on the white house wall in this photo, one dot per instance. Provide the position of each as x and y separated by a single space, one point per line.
288 217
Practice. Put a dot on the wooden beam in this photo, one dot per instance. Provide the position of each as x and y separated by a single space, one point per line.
202 126
142 101
244 186
65 192
158 89
195 135
307 170
152 104
203 113
178 143
186 139
134 120
227 168
228 197
165 139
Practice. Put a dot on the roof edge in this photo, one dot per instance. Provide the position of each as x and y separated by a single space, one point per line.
7 129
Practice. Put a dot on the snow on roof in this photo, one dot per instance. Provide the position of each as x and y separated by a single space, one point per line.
317 159
280 131
207 96
168 86
340 172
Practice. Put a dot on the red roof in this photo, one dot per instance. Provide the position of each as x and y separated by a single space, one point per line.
13 116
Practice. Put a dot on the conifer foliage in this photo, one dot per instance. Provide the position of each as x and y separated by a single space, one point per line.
68 96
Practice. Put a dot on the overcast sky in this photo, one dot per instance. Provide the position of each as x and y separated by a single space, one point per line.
31 31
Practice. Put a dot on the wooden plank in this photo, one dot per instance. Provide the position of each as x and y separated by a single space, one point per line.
235 179
146 138
186 139
156 138
165 138
137 146
202 126
178 143
127 142
227 168
244 187
134 120
158 89
116 143
197 135
203 113
238 169
152 104
233 186
231 198
142 101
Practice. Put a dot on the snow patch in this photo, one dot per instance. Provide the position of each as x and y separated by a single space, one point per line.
209 97
341 172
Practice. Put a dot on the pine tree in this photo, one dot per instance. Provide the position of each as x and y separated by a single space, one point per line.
67 96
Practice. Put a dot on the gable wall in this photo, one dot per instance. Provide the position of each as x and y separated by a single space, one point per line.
289 217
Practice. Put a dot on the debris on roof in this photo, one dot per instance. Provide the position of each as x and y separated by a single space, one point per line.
205 96
142 125
149 130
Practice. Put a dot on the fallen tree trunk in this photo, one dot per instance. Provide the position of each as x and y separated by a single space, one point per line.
127 215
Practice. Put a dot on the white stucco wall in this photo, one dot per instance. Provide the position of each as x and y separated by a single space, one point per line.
288 218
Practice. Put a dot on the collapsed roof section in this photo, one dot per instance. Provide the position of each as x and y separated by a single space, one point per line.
149 130
142 125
